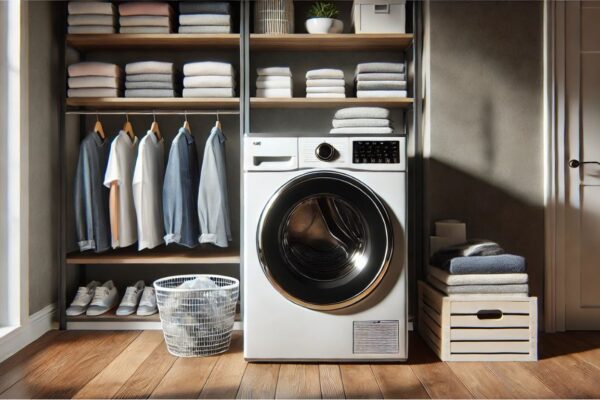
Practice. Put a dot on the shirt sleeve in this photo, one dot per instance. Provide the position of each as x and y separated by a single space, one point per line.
172 196
113 172
84 220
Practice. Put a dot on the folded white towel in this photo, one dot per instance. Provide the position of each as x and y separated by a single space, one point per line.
478 289
325 89
208 68
90 29
325 73
362 131
93 68
477 279
91 19
273 78
325 82
149 93
149 77
145 29
489 296
204 19
91 7
205 29
144 20
381 85
274 92
326 95
209 81
381 93
381 76
93 92
379 67
274 71
362 112
285 83
361 123
208 92
149 85
94 82
149 67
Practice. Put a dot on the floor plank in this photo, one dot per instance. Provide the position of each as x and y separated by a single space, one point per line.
185 379
359 382
523 383
481 381
298 381
224 381
259 381
330 378
398 382
109 381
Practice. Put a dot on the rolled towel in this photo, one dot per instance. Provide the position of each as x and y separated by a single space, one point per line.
274 71
381 93
501 264
325 73
379 67
149 85
361 123
205 19
205 29
478 289
90 29
477 279
145 8
144 20
325 89
209 81
362 112
149 93
362 131
90 19
381 76
149 67
208 68
381 85
145 29
93 92
149 77
276 92
208 92
93 68
326 95
91 7
325 82
94 82
285 83
209 7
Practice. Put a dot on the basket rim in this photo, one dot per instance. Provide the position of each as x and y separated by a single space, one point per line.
235 283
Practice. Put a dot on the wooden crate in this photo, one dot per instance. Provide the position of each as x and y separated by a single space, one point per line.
478 329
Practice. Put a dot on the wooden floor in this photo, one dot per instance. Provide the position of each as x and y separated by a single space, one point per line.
137 365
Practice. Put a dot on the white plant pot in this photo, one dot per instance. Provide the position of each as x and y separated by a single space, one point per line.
337 26
319 25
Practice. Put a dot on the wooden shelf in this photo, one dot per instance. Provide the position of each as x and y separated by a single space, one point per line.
302 102
338 42
154 103
172 41
161 255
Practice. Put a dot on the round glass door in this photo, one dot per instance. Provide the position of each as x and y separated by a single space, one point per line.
325 240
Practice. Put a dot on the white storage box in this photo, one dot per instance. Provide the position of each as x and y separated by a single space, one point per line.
379 16
467 328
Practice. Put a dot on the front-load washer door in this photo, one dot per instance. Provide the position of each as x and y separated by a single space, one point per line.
325 240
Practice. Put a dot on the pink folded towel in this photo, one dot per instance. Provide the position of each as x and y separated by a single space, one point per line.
93 68
144 8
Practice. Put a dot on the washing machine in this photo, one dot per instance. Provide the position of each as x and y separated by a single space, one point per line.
324 258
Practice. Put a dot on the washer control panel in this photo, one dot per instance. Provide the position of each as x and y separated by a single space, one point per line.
376 152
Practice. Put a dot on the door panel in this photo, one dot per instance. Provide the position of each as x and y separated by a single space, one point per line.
590 243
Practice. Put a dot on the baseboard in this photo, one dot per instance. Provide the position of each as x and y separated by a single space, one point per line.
38 324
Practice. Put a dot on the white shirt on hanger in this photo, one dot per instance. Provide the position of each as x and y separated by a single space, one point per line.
148 179
120 170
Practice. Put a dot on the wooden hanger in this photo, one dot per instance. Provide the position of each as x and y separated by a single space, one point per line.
99 129
154 128
218 123
186 124
128 128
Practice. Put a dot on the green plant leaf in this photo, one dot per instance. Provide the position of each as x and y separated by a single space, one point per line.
323 9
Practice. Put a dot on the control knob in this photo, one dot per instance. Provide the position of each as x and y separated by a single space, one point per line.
325 152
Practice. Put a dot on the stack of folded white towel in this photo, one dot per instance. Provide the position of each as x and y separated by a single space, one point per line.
145 17
380 79
362 120
274 82
94 79
150 79
204 17
91 17
325 83
208 79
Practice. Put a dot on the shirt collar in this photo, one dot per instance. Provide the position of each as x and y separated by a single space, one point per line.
153 137
219 133
126 136
98 140
188 136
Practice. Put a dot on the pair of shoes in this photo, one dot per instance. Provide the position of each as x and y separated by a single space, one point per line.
94 299
138 296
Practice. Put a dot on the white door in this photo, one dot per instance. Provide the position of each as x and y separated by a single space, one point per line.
582 275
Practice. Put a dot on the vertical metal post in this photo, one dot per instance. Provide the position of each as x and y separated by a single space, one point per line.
62 197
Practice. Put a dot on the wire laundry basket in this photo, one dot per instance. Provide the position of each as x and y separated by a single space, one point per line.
197 321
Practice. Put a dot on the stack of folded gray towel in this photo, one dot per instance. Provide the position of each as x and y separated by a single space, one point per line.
208 79
478 268
274 82
150 79
380 79
145 17
94 79
204 17
362 120
90 17
325 82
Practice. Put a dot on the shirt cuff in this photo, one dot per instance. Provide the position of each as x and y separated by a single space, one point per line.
87 245
212 238
172 238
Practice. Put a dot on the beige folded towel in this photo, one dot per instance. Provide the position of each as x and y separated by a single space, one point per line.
149 67
326 95
208 68
93 92
145 8
208 92
144 20
91 29
91 7
325 73
94 82
325 82
325 89
209 81
205 29
274 71
93 68
205 19
87 19
274 93
145 29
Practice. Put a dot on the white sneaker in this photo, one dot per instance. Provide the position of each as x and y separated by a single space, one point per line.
148 302
82 299
105 299
131 299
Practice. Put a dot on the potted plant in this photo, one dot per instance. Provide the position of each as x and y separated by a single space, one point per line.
321 18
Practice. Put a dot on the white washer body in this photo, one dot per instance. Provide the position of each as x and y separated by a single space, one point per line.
277 329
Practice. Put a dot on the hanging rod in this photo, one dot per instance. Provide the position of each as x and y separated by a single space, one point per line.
154 112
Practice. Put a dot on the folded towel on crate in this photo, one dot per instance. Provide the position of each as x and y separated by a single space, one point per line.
208 68
91 19
209 7
285 83
361 123
94 82
379 67
145 8
91 7
325 82
149 93
381 93
94 92
208 92
362 131
274 71
326 89
474 247
362 112
149 85
149 67
150 77
477 279
381 85
145 29
90 29
478 289
275 92
205 29
93 68
380 76
209 81
145 20
325 73
501 264
205 19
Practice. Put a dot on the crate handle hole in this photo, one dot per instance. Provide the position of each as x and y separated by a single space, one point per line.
489 314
